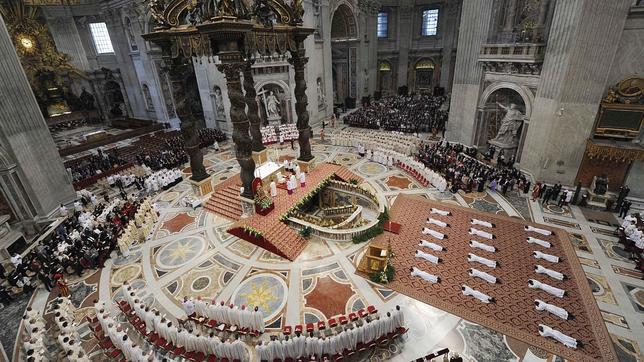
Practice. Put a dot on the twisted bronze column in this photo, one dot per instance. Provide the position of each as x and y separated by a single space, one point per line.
241 137
299 60
188 107
251 103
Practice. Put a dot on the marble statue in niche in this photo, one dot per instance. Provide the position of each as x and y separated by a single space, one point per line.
599 184
510 125
219 103
272 106
321 96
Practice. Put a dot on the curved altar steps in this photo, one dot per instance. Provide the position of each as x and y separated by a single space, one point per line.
346 175
225 199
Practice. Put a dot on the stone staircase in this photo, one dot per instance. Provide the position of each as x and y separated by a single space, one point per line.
225 199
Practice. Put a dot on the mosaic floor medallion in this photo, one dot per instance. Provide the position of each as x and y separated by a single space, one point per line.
266 291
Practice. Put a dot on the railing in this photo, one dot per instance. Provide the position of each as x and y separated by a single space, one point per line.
350 221
349 187
339 210
329 233
513 52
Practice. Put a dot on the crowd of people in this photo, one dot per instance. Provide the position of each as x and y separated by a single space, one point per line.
413 113
166 154
95 164
463 171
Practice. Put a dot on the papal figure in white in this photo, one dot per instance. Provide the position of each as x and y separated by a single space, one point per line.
510 125
272 106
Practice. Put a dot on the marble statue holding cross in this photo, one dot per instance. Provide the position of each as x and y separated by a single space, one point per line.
510 125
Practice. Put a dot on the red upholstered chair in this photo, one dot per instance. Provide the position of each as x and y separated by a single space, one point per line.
372 310
212 358
298 328
197 357
211 324
115 353
287 330
91 320
178 351
321 325
333 322
362 313
160 342
353 317
310 327
106 344
343 320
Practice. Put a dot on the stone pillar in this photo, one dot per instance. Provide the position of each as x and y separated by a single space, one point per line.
404 42
448 45
188 108
510 13
473 32
299 60
231 68
40 179
251 103
572 83
368 69
65 34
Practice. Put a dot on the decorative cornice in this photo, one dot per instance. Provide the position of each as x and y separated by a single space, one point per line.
370 7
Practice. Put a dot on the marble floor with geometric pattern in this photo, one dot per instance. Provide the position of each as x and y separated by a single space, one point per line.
190 254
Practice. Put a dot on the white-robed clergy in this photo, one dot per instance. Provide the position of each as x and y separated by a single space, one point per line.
258 320
558 311
537 230
429 257
567 341
482 246
434 233
543 243
535 284
439 211
475 273
276 349
415 272
293 181
436 222
540 269
310 345
546 257
263 352
399 317
273 187
476 294
238 349
479 259
430 245
481 233
482 223
300 346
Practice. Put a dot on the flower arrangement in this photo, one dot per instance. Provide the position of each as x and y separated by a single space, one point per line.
305 232
252 231
307 198
376 230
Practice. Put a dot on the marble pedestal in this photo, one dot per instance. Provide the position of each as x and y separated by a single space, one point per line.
201 188
247 205
599 200
306 166
509 150
8 238
260 157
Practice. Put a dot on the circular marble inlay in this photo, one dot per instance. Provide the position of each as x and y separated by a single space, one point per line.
180 252
372 168
266 291
126 273
200 284
169 196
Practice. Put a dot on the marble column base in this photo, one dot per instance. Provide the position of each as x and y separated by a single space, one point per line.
260 157
203 187
247 205
306 166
